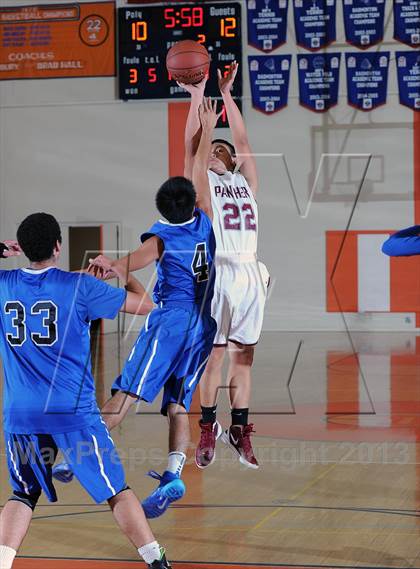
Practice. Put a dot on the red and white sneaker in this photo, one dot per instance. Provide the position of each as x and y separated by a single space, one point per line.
205 453
239 440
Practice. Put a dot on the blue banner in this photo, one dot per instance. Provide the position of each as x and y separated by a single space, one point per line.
364 22
407 22
318 80
269 78
367 79
314 23
267 23
408 69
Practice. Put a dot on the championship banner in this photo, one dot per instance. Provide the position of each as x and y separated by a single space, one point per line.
63 40
315 23
319 80
269 78
367 79
267 23
407 22
364 22
408 69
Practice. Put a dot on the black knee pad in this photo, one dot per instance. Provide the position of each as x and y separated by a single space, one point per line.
30 500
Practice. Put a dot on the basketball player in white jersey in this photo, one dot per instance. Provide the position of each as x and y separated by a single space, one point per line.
241 281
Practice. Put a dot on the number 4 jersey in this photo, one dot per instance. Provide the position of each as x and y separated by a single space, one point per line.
45 320
241 281
185 270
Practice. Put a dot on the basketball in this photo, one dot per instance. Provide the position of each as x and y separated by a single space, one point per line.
188 62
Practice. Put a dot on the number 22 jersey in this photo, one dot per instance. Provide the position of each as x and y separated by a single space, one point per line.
235 214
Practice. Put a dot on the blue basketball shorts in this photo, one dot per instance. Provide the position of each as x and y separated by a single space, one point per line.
170 353
90 452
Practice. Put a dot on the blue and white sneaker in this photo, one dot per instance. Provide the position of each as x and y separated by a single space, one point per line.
170 489
63 472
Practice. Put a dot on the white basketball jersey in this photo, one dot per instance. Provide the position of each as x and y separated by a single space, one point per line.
235 213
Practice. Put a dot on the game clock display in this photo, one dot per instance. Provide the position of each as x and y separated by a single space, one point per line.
146 33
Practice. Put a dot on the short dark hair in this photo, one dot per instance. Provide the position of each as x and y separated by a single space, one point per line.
176 199
38 235
228 144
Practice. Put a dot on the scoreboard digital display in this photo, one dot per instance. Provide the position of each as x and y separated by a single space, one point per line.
146 33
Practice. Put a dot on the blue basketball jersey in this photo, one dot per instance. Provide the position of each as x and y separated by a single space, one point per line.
185 272
45 320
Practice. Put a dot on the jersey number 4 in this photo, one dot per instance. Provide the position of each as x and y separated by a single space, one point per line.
49 314
200 265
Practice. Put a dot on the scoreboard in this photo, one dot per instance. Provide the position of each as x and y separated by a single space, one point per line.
146 33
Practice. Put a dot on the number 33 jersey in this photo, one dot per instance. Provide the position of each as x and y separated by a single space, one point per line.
45 320
235 214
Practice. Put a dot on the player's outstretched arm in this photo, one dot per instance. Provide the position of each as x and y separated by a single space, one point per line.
137 301
193 127
142 257
208 120
403 243
9 248
245 158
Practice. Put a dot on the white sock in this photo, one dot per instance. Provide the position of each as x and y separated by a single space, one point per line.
7 556
151 552
176 461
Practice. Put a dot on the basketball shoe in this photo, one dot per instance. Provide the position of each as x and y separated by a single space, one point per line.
161 563
170 489
205 453
238 438
63 472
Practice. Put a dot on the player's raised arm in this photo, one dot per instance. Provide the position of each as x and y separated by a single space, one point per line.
193 127
403 243
208 120
245 158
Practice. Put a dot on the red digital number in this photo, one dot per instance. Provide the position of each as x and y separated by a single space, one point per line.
186 17
168 15
134 76
197 17
151 72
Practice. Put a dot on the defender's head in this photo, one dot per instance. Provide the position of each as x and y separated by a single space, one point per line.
176 199
222 157
39 236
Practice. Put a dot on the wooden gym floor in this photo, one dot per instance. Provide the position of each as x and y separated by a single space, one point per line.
338 437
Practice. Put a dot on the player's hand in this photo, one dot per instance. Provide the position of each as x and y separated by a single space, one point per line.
227 79
196 90
13 249
101 267
208 114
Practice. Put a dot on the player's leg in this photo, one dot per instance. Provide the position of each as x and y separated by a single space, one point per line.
97 466
238 436
171 487
15 519
29 460
131 520
210 385
177 400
